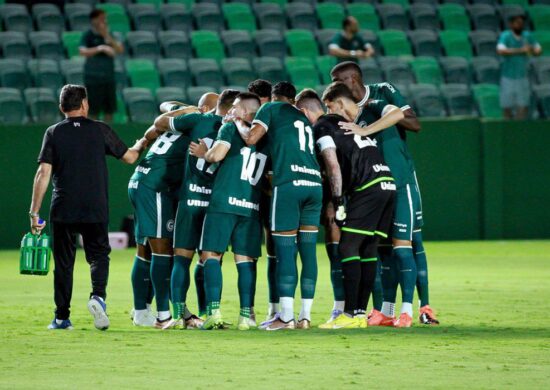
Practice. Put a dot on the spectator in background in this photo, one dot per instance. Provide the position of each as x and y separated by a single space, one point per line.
348 45
515 46
99 47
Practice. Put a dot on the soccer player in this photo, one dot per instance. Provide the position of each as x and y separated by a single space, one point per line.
207 103
296 203
350 74
193 199
233 213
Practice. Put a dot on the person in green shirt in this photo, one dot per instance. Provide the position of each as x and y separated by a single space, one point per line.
348 45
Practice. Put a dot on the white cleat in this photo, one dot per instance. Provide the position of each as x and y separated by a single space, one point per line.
97 308
143 318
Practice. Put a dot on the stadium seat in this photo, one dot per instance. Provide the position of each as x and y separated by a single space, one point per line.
206 71
508 10
542 99
13 73
175 44
116 17
523 3
455 43
484 42
541 70
487 100
393 17
486 70
281 3
426 70
71 42
195 93
269 68
270 16
484 17
46 44
143 44
372 38
121 115
140 104
43 105
270 43
167 94
301 43
396 69
394 43
142 73
301 16
208 17
156 3
324 66
238 71
12 107
454 17
330 15
427 100
121 78
239 16
302 72
425 43
543 37
238 44
365 14
174 72
16 18
145 17
324 37
424 16
371 71
77 16
45 73
458 99
403 3
48 18
540 16
73 70
15 45
207 44
456 70
176 17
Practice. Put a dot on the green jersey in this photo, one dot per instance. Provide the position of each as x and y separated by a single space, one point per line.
515 66
393 148
162 167
355 43
237 187
199 175
290 143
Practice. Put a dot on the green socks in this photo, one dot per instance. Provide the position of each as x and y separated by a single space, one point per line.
179 284
141 277
213 283
199 284
287 272
160 275
272 279
245 284
335 271
407 271
377 292
421 269
307 246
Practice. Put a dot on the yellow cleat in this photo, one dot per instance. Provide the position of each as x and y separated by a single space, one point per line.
343 322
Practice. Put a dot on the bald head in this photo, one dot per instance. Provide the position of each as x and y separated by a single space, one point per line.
350 74
208 102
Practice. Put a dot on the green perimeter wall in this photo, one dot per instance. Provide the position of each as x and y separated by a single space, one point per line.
479 179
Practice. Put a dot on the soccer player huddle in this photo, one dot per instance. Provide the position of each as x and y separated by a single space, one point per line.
272 162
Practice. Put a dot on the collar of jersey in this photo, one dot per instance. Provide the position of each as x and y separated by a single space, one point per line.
366 97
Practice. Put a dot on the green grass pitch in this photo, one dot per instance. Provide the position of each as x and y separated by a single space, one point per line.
493 300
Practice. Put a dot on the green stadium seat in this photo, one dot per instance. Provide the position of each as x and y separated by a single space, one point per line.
371 71
301 43
207 44
456 70
142 74
188 3
176 17
42 104
484 17
426 70
484 42
12 107
458 99
120 116
46 44
48 18
77 16
427 100
455 43
143 44
15 45
168 94
269 68
45 73
371 37
540 69
324 37
140 104
195 93
365 14
543 37
397 70
424 16
454 17
174 72
121 77
301 16
116 17
403 3
330 15
13 73
281 3
393 17
320 89
156 3
463 3
394 43
540 16
239 16
145 17
270 16
208 17
523 3
325 65
425 43
206 71
16 18
175 44
270 43
238 44
238 71
302 72
542 99
486 70
487 100
73 70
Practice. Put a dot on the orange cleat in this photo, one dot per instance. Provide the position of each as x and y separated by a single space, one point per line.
377 318
427 316
404 321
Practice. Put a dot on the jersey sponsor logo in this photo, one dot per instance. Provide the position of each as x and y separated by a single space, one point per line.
200 189
197 203
380 168
305 183
243 203
143 170
309 171
170 225
76 124
388 186
133 185
387 85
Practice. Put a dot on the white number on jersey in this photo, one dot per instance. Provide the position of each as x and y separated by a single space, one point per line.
201 161
302 131
249 165
164 142
363 142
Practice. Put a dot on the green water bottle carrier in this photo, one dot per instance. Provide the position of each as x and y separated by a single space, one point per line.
35 254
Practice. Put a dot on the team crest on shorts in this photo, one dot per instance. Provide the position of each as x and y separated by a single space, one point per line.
170 225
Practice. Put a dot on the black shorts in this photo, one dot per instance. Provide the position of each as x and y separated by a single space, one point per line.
370 212
101 97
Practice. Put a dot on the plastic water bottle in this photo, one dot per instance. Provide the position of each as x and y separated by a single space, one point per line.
26 260
42 255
